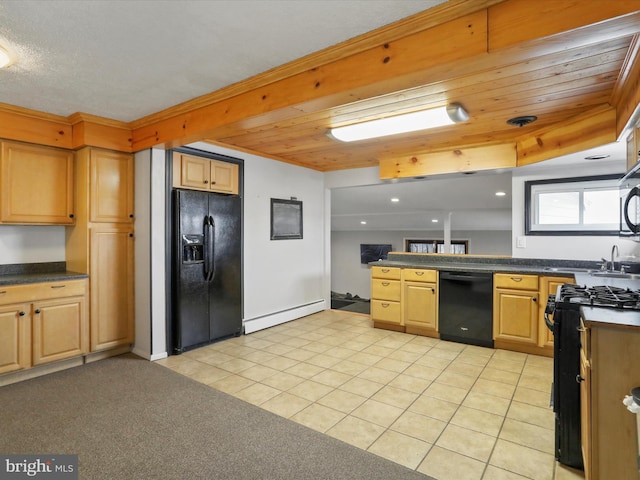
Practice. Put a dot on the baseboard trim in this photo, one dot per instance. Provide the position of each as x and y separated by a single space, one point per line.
273 319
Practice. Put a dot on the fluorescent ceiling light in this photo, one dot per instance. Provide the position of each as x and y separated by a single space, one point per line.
363 222
5 59
500 194
410 122
434 220
395 199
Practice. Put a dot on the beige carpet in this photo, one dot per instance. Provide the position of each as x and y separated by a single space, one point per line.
129 419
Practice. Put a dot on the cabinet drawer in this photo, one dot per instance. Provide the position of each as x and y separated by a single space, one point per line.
515 281
385 289
419 275
392 273
384 311
69 288
41 291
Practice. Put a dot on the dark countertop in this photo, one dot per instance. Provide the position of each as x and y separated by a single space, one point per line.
594 316
493 264
25 273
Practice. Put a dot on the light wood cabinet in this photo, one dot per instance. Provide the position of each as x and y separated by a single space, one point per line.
60 329
111 181
36 185
633 148
385 298
15 337
200 173
609 371
515 310
101 243
548 286
112 286
585 411
50 323
420 301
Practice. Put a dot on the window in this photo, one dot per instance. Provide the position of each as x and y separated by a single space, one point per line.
572 206
435 246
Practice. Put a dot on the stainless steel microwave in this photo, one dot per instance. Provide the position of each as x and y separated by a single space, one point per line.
630 204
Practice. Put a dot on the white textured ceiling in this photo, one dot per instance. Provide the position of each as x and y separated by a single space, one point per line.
127 59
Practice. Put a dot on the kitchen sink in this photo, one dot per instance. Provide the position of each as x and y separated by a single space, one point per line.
567 269
622 275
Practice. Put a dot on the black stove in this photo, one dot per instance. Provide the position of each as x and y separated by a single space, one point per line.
599 296
565 307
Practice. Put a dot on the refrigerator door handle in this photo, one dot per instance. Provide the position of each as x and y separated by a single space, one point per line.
211 252
207 234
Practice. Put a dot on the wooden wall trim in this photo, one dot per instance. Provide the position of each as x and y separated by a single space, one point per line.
73 132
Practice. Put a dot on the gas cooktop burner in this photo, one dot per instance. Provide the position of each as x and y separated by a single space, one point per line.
601 296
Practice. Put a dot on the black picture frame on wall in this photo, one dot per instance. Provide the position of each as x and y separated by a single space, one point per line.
286 219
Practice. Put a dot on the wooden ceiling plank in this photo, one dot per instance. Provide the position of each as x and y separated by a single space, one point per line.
330 84
568 61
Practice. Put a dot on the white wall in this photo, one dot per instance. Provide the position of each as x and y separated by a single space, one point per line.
348 275
283 279
565 247
31 244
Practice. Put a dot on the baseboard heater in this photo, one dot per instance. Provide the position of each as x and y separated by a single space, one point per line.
272 319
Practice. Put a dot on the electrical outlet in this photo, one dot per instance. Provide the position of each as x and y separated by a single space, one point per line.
521 242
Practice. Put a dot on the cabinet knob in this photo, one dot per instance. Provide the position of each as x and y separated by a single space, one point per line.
37 310
206 181
131 235
433 290
131 215
21 314
213 183
579 378
534 299
71 215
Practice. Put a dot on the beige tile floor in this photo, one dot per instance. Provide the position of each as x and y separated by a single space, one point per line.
449 410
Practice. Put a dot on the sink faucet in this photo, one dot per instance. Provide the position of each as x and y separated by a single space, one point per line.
614 251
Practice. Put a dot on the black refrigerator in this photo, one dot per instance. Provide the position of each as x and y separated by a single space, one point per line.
207 268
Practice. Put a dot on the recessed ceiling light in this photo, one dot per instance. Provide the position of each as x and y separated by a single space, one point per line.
363 222
5 58
500 194
395 199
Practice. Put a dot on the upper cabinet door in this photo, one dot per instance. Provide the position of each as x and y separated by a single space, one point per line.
37 185
200 173
111 187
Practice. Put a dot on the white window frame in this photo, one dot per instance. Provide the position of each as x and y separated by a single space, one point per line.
580 185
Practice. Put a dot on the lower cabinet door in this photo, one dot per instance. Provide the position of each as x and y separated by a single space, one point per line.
420 304
60 329
15 338
515 316
111 292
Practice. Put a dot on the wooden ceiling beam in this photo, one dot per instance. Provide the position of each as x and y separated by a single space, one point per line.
456 47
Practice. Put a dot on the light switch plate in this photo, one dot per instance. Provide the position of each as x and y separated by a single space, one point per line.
521 242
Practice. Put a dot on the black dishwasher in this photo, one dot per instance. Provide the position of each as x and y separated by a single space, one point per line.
465 309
